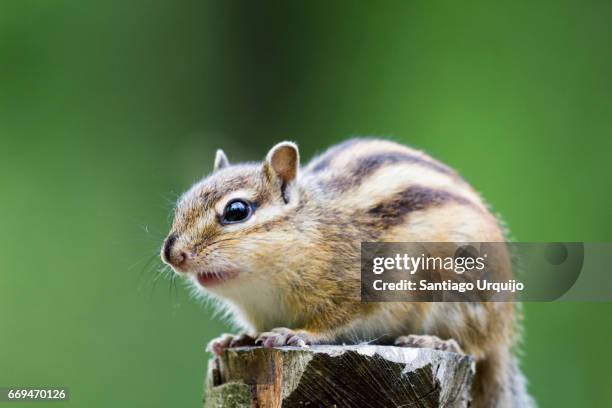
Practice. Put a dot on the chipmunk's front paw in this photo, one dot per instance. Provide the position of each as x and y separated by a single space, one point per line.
227 340
285 337
426 341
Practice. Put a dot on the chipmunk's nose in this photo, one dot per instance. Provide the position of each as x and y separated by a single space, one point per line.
171 254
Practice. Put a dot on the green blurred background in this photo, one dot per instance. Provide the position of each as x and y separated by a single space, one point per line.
110 109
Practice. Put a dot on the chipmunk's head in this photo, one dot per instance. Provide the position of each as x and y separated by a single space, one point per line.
228 228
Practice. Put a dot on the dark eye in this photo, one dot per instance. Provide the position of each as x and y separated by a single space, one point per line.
236 211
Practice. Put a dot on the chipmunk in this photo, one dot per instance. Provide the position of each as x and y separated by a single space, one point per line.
279 247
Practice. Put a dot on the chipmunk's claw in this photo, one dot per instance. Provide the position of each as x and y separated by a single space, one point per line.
285 337
227 340
427 341
275 338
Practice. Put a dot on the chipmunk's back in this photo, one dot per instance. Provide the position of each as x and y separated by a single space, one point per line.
391 191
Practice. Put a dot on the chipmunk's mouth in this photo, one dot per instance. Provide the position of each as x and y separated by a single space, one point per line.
207 279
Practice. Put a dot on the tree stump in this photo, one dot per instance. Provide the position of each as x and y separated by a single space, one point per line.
338 376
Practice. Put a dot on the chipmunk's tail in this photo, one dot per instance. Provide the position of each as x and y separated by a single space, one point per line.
518 388
504 387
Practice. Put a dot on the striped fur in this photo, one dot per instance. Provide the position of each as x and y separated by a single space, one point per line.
298 256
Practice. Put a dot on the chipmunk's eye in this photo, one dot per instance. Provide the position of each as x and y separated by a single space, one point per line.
236 211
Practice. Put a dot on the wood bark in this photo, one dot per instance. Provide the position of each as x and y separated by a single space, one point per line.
338 376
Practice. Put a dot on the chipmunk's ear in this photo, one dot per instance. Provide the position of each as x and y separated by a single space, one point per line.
220 160
283 162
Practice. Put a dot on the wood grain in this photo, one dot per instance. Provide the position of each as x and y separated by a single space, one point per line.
338 376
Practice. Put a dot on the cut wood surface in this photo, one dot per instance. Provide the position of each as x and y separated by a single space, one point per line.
338 376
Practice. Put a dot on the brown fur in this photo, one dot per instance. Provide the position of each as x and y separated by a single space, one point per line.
297 258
